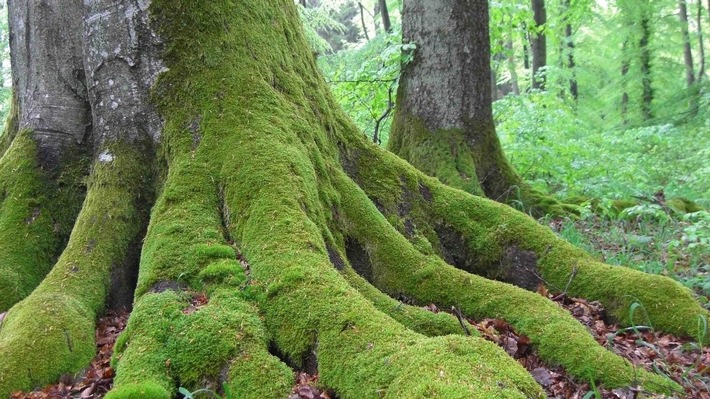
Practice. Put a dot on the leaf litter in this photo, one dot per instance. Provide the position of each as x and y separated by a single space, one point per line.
681 360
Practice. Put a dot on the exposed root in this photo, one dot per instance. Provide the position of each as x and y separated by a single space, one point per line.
412 317
666 305
172 341
64 307
37 210
399 268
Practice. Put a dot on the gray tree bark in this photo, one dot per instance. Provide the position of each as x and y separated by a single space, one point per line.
645 59
82 77
539 44
687 50
443 123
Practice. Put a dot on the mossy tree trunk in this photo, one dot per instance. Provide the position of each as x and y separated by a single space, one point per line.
443 123
268 202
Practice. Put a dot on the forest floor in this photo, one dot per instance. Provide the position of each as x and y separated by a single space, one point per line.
645 246
681 360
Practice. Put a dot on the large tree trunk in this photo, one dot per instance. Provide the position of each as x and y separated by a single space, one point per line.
443 123
267 202
539 44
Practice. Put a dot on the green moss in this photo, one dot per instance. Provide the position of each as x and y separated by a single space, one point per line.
412 317
683 205
670 307
270 140
399 268
38 210
443 154
146 390
225 271
43 337
470 159
108 223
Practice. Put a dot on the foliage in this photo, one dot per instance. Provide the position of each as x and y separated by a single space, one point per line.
364 80
319 19
559 151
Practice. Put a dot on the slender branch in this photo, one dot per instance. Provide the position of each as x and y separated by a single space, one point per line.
378 121
362 20
459 316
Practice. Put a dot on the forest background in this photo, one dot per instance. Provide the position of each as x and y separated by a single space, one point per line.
620 128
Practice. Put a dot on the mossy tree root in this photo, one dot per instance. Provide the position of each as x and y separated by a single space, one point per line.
665 304
413 317
313 313
170 342
51 332
474 165
398 268
38 210
498 242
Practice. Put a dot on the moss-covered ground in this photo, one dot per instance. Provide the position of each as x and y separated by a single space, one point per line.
267 202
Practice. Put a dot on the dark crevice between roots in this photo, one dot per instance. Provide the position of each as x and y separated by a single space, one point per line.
335 258
516 266
308 363
224 217
124 277
359 258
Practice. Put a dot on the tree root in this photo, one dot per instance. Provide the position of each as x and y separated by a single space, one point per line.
39 211
169 342
398 268
412 317
51 332
666 304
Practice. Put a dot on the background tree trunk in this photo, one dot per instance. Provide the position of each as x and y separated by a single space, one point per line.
384 12
645 60
701 43
569 43
512 67
539 44
443 123
687 51
625 65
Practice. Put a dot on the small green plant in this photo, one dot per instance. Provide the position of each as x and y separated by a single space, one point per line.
594 393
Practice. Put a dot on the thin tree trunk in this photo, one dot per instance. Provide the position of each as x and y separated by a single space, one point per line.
539 44
687 51
384 12
362 21
625 65
701 45
645 59
512 68
571 65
